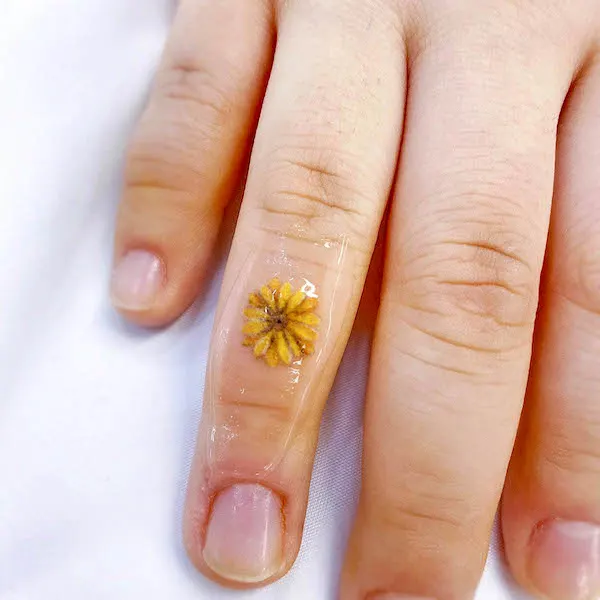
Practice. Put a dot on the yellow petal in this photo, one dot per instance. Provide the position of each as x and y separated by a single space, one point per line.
272 357
301 332
268 296
274 284
285 293
264 343
256 313
282 348
307 305
255 327
256 300
295 348
307 318
295 301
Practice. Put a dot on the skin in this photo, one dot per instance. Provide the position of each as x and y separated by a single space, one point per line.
469 120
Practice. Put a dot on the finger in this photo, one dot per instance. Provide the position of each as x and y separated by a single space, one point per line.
551 506
186 154
452 343
321 171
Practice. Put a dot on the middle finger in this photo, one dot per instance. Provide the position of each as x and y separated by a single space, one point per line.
321 171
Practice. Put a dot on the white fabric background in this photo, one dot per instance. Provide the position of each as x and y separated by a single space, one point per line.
97 419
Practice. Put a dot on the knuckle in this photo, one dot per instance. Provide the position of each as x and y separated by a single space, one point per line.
495 284
186 116
161 167
197 90
531 22
250 412
356 15
472 291
317 193
431 506
413 520
253 426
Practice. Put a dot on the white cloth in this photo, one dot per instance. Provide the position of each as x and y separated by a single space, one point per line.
97 419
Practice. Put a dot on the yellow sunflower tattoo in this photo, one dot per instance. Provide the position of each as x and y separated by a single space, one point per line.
281 324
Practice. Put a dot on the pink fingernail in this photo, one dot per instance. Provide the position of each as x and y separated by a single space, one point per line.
136 280
565 560
244 540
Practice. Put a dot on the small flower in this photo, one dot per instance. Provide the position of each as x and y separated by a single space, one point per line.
280 323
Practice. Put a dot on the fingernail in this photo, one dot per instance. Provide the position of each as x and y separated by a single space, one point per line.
244 540
565 560
136 280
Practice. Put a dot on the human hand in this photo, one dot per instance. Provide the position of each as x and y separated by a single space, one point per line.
459 112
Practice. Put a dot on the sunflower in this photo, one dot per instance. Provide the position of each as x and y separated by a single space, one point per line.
281 324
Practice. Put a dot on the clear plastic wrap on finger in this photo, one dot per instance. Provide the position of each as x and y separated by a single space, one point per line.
278 326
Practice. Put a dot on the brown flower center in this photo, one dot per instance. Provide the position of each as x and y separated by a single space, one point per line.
279 321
